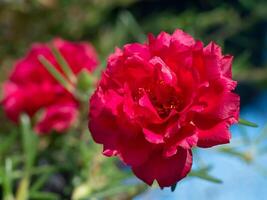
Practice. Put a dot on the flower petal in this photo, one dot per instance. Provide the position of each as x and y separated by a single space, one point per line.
134 151
57 117
152 137
183 37
218 134
167 171
102 120
164 72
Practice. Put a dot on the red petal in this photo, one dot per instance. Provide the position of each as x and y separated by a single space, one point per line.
58 118
212 60
160 43
136 49
104 130
134 151
167 171
220 103
150 111
225 107
102 120
164 72
227 66
79 55
219 134
152 137
184 137
183 37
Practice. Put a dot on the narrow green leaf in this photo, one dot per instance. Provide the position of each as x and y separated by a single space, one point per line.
39 182
111 192
29 140
205 169
43 196
246 156
56 74
46 169
22 192
7 184
43 170
64 65
205 176
131 24
247 123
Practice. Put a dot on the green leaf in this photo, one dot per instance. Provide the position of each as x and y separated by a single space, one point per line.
22 192
112 191
205 176
131 24
245 156
29 140
7 184
56 74
64 65
39 182
247 123
43 195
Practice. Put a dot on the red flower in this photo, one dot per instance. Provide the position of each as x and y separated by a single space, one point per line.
156 101
31 88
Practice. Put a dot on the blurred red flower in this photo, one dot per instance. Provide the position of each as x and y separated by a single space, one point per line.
157 100
31 88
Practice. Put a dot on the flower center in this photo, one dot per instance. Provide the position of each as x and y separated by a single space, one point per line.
164 108
163 104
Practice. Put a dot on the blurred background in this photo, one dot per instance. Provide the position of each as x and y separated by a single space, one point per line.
239 26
